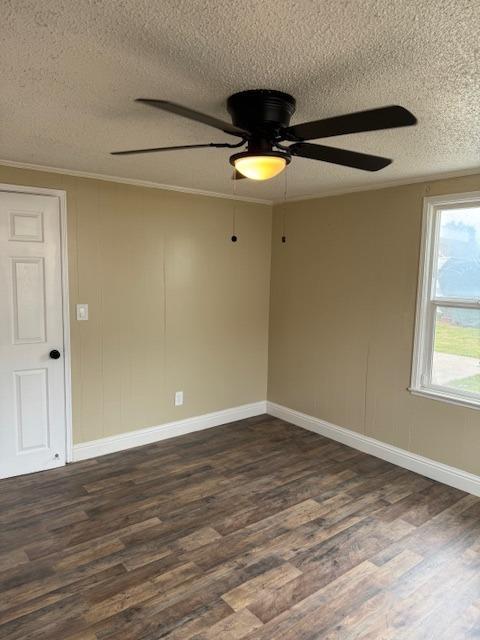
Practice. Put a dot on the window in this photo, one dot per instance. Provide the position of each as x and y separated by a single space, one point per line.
446 361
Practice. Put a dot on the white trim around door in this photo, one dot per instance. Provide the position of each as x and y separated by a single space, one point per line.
62 203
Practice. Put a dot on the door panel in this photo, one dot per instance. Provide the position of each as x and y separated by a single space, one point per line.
26 226
28 286
32 385
31 409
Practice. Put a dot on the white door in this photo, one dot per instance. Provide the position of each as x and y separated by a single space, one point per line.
32 378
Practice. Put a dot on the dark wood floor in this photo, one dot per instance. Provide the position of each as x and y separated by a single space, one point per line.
257 530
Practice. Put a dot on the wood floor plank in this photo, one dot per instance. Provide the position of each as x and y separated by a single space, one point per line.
234 627
242 596
256 530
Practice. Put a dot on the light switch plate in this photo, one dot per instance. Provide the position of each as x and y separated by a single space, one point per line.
82 311
178 398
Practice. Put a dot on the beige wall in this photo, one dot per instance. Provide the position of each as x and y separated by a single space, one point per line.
173 303
342 311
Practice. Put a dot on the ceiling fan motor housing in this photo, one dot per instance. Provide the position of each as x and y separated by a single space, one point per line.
261 111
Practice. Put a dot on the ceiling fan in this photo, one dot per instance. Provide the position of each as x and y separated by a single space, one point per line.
261 119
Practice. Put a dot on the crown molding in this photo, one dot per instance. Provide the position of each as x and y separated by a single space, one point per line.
130 181
213 194
382 185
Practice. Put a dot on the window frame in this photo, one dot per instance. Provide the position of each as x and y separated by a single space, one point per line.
428 301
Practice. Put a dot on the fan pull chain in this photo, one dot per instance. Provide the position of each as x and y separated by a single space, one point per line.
284 234
234 236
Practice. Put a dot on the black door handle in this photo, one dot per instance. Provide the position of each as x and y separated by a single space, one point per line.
54 354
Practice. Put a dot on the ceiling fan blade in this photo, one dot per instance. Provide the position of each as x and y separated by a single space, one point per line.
339 156
154 150
372 120
236 175
180 110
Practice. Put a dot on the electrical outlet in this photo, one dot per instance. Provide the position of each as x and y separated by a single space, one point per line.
178 398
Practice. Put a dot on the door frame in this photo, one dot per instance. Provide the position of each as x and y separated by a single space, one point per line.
67 366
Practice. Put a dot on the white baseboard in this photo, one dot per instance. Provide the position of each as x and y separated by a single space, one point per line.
419 464
122 441
425 466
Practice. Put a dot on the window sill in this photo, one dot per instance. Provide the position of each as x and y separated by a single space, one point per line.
443 396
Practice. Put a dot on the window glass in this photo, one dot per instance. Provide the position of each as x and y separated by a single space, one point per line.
458 261
456 355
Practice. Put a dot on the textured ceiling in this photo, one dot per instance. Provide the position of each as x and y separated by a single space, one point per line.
71 69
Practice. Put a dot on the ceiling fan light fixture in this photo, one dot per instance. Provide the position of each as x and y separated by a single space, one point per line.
260 166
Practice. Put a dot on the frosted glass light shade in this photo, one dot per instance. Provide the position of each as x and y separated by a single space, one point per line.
260 167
